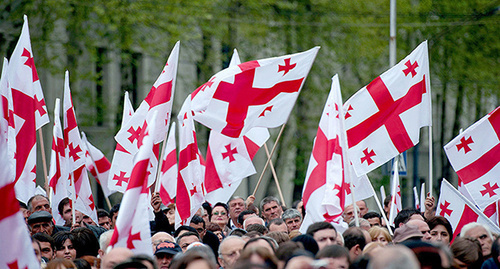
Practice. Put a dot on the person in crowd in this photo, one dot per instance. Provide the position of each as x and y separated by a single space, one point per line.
423 227
262 241
39 202
279 237
363 224
394 257
261 229
198 223
186 239
407 232
348 213
336 256
405 215
41 222
324 233
47 245
387 205
113 213
482 234
374 218
164 252
440 229
245 214
229 251
24 211
220 216
380 235
466 252
363 209
207 237
215 229
340 239
103 219
201 212
277 225
171 214
193 259
494 261
160 237
258 255
372 248
85 242
253 220
292 218
64 242
64 209
428 254
238 232
355 240
88 220
236 206
271 208
37 249
161 222
60 264
81 264
104 240
308 242
115 256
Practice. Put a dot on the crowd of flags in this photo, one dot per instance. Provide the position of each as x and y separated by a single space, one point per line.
238 104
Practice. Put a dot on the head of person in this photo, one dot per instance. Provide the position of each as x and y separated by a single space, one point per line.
229 251
374 218
220 214
261 229
355 241
216 229
262 241
380 234
292 218
64 242
104 240
40 222
164 253
279 237
363 224
60 264
348 213
406 232
387 204
481 233
193 260
308 242
182 229
24 210
277 225
160 237
405 215
198 223
495 251
336 256
258 255
396 256
115 256
270 207
324 233
36 248
103 219
186 239
440 229
113 213
372 248
64 209
236 206
244 215
39 202
423 227
363 209
428 254
171 214
85 243
466 252
47 245
253 220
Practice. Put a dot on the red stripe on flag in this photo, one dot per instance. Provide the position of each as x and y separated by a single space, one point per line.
494 120
121 148
139 175
103 165
169 161
212 179
480 166
468 216
252 148
183 199
10 205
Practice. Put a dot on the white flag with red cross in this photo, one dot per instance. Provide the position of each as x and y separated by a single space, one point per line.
15 244
76 158
169 172
9 134
384 118
97 164
29 113
396 205
459 211
132 224
475 156
190 189
253 94
58 172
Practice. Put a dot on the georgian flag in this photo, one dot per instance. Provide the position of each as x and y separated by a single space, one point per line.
8 133
384 118
396 205
97 164
253 94
169 172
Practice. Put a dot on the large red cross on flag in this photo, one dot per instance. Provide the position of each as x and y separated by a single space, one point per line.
459 211
253 94
475 156
384 118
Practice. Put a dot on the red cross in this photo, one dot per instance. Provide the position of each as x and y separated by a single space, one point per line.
39 106
132 237
347 114
269 108
70 123
488 189
120 178
329 218
388 114
410 68
464 143
241 95
15 265
368 156
58 148
229 153
444 209
192 191
134 133
207 84
73 152
160 95
287 67
31 63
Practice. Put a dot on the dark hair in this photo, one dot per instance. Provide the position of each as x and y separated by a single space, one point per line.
440 220
286 249
182 261
30 205
223 205
308 242
270 260
238 232
269 240
279 237
258 228
333 251
354 236
61 237
197 220
387 200
372 214
276 221
207 208
22 205
101 213
62 204
43 237
495 250
85 243
317 226
178 239
81 264
184 228
114 210
404 216
242 215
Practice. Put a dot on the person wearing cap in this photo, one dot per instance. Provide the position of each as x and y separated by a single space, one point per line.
165 252
41 222
407 232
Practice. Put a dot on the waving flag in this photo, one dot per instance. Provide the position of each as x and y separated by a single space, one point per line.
132 224
384 118
7 132
253 94
459 211
97 164
396 205
76 157
168 176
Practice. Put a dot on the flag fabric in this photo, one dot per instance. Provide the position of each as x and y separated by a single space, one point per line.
253 94
29 113
7 132
132 229
459 211
326 186
76 158
123 160
396 205
15 243
384 118
190 194
168 175
422 197
416 198
475 156
58 172
97 164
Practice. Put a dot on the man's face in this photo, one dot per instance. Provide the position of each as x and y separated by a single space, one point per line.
42 227
186 241
113 220
236 206
164 260
199 228
349 213
374 221
484 239
40 204
325 237
47 250
78 216
293 224
230 252
363 209
88 220
423 227
272 210
36 248
278 228
67 214
104 222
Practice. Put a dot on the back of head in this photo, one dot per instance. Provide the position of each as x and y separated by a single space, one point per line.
183 260
354 236
468 251
279 237
85 242
427 254
115 256
104 239
308 242
60 263
333 251
394 257
404 215
258 228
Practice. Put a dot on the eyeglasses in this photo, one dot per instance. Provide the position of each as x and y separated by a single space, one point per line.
222 213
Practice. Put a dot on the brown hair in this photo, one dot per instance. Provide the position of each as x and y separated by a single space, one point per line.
467 250
270 260
377 230
58 263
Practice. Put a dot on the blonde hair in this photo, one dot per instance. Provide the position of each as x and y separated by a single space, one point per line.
377 230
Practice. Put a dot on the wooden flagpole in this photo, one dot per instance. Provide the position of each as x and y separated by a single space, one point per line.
381 209
430 156
44 162
275 176
269 158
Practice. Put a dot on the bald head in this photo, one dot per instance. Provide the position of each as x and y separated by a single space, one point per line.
161 237
115 256
423 227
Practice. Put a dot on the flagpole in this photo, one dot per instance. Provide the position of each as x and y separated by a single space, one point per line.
430 157
269 158
393 187
275 176
382 212
44 162
73 201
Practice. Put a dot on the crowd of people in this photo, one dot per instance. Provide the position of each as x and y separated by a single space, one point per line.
241 234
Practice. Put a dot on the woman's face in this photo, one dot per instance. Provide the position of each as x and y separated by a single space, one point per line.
440 234
381 239
171 216
219 216
66 251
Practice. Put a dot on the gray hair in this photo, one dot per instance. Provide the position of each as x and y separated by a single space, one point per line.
291 213
231 237
394 257
104 239
36 196
267 200
245 222
472 225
